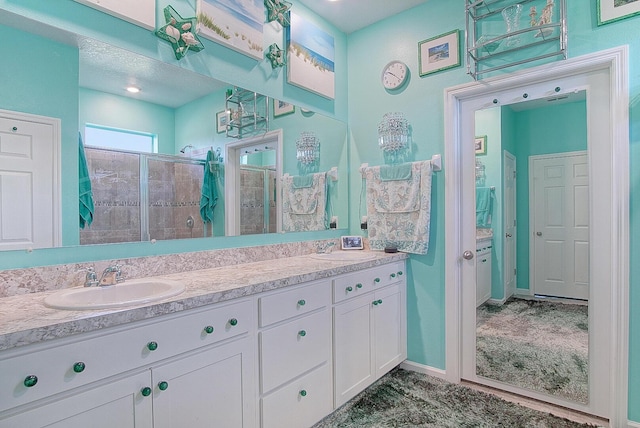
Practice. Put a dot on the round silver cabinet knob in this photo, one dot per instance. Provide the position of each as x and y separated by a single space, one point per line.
467 255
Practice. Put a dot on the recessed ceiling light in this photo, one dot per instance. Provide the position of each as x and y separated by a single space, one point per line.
133 89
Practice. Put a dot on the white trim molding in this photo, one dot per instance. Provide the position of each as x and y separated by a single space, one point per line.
424 369
612 68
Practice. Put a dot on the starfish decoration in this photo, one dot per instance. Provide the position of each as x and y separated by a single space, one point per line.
276 56
278 10
180 32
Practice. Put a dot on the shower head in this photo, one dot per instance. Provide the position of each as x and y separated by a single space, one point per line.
184 149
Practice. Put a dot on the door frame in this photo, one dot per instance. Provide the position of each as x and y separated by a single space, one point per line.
532 243
612 64
508 292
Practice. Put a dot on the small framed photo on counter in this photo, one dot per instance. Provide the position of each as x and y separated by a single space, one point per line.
351 242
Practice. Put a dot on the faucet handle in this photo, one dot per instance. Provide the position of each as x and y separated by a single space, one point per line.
91 278
119 277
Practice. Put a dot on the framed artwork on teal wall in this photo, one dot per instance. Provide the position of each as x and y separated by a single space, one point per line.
236 24
615 10
280 108
481 145
221 121
310 64
439 53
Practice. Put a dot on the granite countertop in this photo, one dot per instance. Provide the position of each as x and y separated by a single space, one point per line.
25 320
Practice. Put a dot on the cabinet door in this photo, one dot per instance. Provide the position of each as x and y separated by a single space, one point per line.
390 331
353 370
113 404
211 388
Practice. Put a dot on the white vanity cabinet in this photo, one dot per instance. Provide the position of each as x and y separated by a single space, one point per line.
295 355
117 376
369 328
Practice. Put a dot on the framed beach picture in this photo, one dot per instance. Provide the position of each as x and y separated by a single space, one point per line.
236 24
311 56
221 121
281 108
439 53
481 145
615 10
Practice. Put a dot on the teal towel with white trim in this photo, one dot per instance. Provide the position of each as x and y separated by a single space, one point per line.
85 206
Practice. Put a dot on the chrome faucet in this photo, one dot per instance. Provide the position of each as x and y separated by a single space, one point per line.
325 248
111 276
91 278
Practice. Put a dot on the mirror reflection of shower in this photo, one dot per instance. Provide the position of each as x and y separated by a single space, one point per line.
258 191
143 196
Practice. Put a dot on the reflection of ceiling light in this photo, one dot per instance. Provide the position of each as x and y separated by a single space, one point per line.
133 89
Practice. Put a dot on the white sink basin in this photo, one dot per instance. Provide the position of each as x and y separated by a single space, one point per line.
344 256
134 292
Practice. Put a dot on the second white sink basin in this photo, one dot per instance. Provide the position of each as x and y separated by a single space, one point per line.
344 256
134 292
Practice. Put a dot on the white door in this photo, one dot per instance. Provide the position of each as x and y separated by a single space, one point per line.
509 245
28 182
560 225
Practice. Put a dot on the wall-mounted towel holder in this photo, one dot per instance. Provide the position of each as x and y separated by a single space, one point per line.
436 164
332 174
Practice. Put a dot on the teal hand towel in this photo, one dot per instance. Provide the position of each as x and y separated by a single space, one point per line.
302 181
86 207
209 197
483 207
395 172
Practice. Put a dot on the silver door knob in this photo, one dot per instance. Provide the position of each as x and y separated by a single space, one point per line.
467 255
539 233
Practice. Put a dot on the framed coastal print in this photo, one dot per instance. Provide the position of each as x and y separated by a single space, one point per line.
311 56
481 145
439 53
236 24
281 108
221 121
615 10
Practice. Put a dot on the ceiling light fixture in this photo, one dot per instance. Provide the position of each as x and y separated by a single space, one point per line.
133 89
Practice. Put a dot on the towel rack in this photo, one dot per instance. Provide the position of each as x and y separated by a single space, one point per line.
436 164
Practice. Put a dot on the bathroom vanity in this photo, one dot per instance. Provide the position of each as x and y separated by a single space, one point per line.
251 345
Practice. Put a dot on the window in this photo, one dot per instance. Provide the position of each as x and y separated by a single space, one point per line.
120 139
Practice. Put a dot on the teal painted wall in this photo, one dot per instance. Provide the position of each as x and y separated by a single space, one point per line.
422 103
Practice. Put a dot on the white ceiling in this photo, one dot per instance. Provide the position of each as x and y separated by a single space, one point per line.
352 15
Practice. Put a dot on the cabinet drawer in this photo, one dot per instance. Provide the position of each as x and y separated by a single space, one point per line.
301 403
114 351
388 274
288 304
352 285
288 350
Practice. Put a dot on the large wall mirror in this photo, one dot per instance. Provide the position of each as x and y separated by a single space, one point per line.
138 195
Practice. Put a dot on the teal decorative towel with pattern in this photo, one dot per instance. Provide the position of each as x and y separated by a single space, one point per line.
483 207
209 197
395 172
302 181
399 211
85 205
304 208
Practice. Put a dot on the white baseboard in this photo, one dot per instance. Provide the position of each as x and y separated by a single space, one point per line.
428 370
523 292
632 424
497 301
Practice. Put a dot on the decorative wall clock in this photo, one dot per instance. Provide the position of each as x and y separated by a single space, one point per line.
394 75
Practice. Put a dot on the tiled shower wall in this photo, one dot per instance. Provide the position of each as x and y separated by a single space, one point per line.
252 187
174 190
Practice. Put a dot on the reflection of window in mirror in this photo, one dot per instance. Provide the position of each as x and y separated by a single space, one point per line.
119 139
